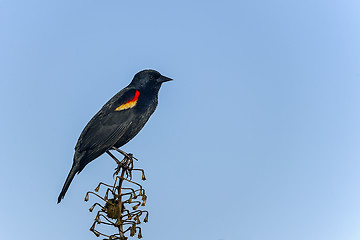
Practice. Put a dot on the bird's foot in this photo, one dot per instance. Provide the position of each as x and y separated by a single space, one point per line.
126 164
126 155
117 170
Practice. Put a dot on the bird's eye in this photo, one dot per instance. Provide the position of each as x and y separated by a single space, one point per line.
155 76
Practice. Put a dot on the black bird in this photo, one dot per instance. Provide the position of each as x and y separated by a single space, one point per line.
117 122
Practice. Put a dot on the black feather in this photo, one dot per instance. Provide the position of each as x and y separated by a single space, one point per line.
110 128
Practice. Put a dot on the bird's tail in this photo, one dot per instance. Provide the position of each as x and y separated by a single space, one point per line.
73 171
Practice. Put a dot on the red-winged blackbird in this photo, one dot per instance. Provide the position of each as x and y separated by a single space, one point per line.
117 122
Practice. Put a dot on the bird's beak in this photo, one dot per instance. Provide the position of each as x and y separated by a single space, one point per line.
164 79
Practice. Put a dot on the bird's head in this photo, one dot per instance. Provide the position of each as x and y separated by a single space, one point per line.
149 79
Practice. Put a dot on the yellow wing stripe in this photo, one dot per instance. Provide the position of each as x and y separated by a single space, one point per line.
126 106
130 104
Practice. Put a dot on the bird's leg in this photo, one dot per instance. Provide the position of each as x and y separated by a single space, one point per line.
126 155
113 157
119 164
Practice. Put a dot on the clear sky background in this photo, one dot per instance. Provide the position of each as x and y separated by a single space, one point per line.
257 138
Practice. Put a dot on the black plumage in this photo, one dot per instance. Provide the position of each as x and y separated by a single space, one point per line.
117 122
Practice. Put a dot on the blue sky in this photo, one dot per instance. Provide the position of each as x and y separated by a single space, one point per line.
257 138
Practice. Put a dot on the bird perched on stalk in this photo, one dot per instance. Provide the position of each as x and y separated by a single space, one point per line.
117 122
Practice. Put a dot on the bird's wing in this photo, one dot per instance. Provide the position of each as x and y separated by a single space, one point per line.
109 124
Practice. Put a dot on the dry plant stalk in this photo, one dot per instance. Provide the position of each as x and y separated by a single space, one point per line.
121 205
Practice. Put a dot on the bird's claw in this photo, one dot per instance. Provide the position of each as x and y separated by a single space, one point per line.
117 170
126 164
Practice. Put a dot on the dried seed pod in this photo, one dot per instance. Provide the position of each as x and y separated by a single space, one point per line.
133 230
96 233
86 197
111 209
137 219
135 207
146 219
139 235
92 208
143 176
144 197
